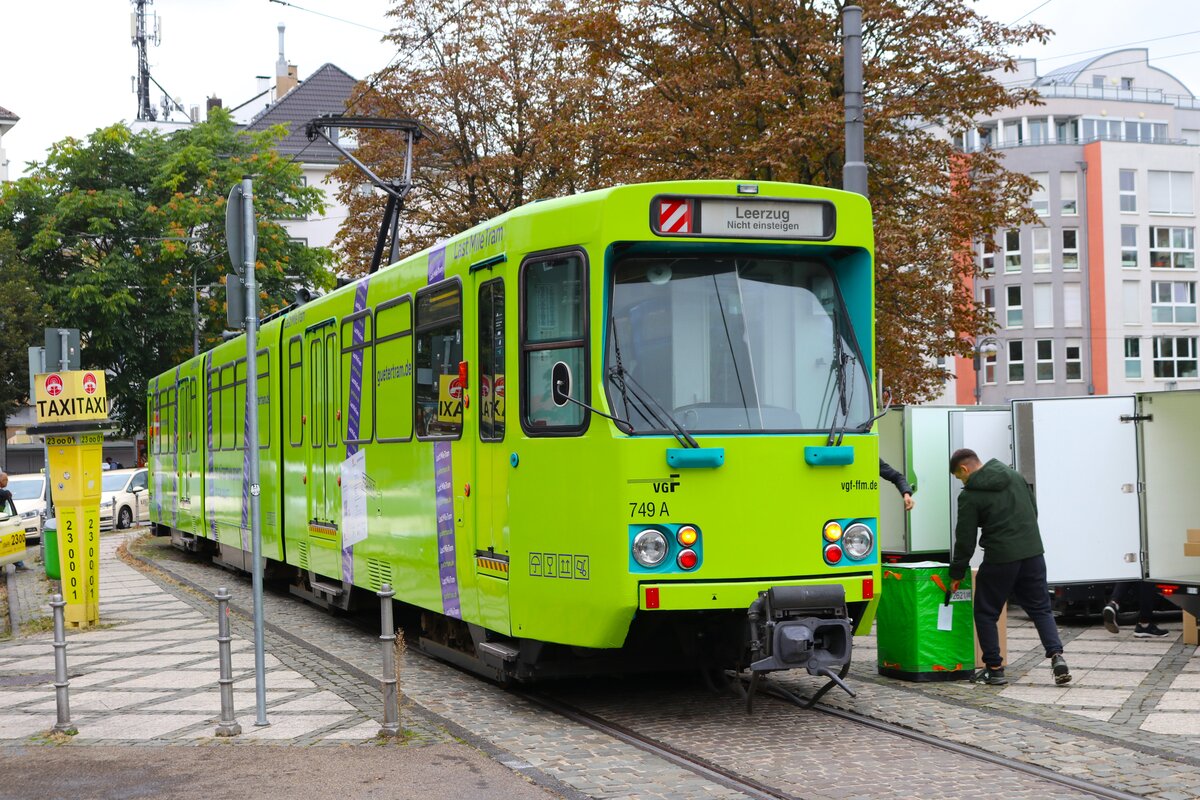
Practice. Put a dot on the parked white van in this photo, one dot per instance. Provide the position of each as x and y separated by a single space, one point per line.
124 498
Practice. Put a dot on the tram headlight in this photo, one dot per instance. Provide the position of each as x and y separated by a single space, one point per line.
857 541
650 548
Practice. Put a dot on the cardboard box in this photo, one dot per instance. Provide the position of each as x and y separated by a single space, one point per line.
1191 548
1190 633
1194 535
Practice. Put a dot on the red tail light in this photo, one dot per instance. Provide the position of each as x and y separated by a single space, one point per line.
687 559
868 588
833 554
652 597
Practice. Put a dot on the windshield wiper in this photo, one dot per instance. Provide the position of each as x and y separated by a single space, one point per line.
645 404
648 407
841 359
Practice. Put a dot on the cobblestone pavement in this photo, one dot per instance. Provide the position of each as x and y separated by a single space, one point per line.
802 752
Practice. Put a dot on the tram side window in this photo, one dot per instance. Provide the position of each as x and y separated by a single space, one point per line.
393 378
213 420
491 361
357 370
295 392
553 298
167 426
439 345
239 404
228 420
263 390
333 396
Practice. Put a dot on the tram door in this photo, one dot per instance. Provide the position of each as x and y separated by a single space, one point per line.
321 353
492 457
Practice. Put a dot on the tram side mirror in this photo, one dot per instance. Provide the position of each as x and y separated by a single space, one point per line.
560 382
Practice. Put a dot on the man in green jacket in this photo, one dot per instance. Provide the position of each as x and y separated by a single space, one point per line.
996 499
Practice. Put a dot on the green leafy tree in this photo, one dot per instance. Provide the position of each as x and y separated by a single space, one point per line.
118 228
22 317
534 99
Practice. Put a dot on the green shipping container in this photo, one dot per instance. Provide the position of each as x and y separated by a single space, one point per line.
920 636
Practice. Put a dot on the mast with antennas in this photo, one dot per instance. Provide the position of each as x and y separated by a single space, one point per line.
141 37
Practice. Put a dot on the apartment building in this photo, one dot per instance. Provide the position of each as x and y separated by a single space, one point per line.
1098 297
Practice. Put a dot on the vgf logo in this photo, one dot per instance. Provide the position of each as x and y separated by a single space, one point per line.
667 486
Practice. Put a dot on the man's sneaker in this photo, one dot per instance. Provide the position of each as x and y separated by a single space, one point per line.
1110 618
992 676
1150 631
1062 673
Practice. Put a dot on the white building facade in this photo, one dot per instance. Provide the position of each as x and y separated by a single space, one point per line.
1098 297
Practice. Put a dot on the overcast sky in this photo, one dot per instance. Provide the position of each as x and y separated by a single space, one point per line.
68 63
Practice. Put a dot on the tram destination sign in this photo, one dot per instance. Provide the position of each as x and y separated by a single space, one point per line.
742 218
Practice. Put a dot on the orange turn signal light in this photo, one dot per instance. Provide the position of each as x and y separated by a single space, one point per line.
687 535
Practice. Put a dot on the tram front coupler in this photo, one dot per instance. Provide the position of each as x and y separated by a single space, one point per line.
801 626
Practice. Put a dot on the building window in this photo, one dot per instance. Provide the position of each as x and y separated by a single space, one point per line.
1016 361
1131 302
1072 305
1068 200
1171 192
1133 357
1040 199
1039 132
987 256
1041 249
1044 364
1175 356
1128 190
1012 250
989 369
1127 83
1172 248
988 300
1129 249
1067 132
1014 317
1172 301
1043 306
1070 249
1073 359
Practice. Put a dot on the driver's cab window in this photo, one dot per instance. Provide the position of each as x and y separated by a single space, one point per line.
439 345
554 332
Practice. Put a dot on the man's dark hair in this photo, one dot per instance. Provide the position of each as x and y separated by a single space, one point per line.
962 456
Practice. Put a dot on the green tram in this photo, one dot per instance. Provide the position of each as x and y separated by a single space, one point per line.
687 477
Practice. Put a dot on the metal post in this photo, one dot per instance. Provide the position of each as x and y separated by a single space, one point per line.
195 316
249 255
391 699
228 724
14 606
854 172
60 670
978 388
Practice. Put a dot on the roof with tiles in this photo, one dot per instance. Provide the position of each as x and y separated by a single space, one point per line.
326 91
5 114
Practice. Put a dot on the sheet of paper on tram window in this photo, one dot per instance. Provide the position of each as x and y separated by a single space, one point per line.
354 499
945 617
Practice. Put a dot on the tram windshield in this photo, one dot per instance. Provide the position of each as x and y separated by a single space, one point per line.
729 344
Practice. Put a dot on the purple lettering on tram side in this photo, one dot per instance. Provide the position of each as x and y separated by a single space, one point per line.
437 264
443 476
354 412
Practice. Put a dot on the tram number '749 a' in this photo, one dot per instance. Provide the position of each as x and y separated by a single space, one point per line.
650 509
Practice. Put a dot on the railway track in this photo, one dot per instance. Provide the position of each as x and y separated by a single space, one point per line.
730 778
757 789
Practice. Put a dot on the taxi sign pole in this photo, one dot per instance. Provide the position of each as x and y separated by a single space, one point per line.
72 415
249 256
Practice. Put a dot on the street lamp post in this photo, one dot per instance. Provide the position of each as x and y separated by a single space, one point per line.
985 346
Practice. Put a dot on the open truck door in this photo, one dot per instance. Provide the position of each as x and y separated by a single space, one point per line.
1080 456
1169 440
918 441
